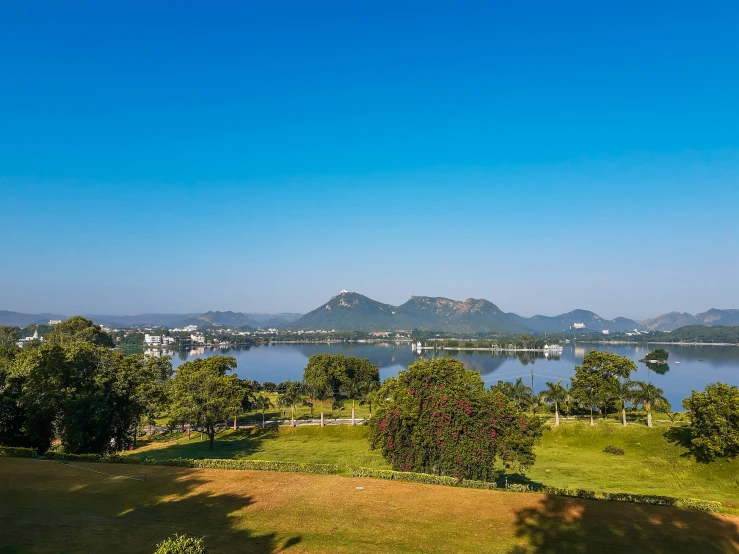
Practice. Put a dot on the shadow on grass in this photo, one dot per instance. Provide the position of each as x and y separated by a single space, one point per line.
681 436
583 526
75 510
236 444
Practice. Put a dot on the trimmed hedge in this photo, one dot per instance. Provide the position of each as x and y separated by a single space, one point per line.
55 455
208 463
17 452
517 487
656 500
566 491
425 478
256 465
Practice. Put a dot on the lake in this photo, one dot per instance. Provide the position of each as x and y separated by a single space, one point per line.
690 367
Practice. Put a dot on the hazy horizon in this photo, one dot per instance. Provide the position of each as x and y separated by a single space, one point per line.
260 159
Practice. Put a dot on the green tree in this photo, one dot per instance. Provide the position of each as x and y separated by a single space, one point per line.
262 403
204 394
78 328
555 394
714 420
623 391
293 395
324 376
651 398
597 378
436 417
359 377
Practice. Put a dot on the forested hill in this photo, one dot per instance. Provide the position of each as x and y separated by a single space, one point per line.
698 333
353 311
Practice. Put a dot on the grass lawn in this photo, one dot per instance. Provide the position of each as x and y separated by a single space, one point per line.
344 445
655 462
49 507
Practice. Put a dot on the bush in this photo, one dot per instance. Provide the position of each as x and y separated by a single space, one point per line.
566 491
696 504
55 455
180 544
517 487
257 465
419 478
17 452
610 449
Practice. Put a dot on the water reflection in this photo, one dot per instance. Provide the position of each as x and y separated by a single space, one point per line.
691 367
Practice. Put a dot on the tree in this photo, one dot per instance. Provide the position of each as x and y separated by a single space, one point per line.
78 328
359 376
204 395
587 392
436 417
324 376
597 378
293 395
262 403
650 397
519 393
269 386
714 420
623 391
555 394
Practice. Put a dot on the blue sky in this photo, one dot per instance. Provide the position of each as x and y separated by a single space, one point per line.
262 156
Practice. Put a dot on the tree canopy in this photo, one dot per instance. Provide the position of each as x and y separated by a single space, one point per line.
436 417
714 418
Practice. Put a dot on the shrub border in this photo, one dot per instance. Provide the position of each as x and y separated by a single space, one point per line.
329 469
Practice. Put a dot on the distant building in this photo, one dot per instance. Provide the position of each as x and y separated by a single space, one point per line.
578 326
605 332
197 338
152 340
54 321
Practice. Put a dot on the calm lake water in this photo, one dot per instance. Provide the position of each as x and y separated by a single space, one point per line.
690 367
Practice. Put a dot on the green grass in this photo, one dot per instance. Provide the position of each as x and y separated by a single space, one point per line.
336 444
571 455
48 507
655 462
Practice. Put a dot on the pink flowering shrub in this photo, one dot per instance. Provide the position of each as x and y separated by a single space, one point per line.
436 417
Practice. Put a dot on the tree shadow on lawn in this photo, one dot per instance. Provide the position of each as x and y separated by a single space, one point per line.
236 444
87 512
573 525
681 436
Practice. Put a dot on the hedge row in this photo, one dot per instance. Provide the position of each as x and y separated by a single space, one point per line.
17 452
419 478
687 503
258 465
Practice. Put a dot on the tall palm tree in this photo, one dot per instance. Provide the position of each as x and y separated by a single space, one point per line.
262 403
292 396
367 395
322 394
624 392
521 394
555 394
651 397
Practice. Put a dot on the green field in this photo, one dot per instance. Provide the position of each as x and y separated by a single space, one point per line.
655 461
50 507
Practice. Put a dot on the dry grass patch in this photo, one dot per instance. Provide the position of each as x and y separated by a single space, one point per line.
51 507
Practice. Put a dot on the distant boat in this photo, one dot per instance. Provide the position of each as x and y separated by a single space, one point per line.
677 362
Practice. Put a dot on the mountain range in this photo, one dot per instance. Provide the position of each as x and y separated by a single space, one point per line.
354 311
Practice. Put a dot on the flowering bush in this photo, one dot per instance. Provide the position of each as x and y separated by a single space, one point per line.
438 419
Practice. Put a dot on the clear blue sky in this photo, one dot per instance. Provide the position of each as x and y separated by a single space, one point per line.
260 156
